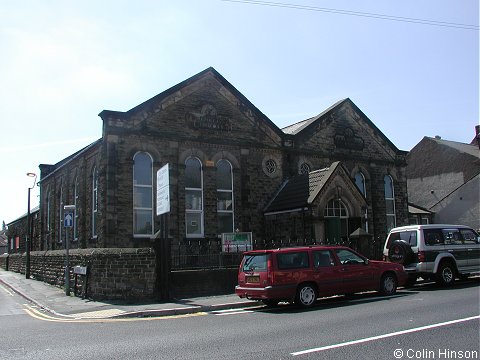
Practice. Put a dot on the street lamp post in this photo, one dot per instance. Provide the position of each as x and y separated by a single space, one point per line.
28 238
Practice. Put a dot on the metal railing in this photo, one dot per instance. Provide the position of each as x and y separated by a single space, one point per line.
208 253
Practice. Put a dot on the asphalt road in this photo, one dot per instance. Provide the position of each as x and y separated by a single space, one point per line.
426 322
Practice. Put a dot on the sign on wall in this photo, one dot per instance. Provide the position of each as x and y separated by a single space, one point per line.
163 190
236 242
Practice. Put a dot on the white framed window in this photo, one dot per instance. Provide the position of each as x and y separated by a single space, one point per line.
336 208
75 202
48 209
389 202
142 194
225 206
360 182
94 201
193 197
60 216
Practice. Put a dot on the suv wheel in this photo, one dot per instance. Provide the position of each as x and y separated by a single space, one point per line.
306 295
446 274
388 284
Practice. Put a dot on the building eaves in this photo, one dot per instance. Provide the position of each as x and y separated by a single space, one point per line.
415 209
70 158
32 211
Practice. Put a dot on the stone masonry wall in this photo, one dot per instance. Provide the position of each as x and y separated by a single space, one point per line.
122 274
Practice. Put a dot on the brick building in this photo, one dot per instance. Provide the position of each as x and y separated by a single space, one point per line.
231 169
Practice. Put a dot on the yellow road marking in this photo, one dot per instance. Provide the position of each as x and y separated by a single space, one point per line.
7 291
45 317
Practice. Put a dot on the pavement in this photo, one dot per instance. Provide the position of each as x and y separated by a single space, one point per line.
53 299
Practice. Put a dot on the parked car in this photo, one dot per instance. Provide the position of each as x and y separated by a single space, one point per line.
439 252
302 274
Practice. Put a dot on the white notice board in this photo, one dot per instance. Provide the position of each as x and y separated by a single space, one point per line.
163 190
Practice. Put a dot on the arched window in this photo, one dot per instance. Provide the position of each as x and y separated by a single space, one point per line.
193 197
60 215
94 201
142 194
76 203
336 216
225 209
389 202
336 208
360 182
48 214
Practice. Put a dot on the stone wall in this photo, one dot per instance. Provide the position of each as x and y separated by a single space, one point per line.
123 274
4 261
120 274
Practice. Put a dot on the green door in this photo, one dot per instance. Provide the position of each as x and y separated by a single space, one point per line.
332 230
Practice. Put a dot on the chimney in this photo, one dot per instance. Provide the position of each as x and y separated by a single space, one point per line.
476 139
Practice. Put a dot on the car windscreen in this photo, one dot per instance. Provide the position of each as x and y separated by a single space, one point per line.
257 262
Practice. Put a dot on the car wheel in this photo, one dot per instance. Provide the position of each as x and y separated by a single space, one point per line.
446 274
388 284
271 302
306 295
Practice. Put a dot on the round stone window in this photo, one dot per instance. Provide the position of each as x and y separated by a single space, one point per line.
304 168
271 166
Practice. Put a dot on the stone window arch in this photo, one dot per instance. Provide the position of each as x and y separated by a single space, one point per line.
94 204
225 205
389 202
194 197
142 194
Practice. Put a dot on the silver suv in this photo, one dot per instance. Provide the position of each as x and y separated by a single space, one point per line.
439 252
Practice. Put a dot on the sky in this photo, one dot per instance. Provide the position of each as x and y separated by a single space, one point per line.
62 62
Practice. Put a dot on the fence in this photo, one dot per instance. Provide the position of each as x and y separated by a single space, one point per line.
208 254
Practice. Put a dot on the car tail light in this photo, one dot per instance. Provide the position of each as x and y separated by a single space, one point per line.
421 256
269 271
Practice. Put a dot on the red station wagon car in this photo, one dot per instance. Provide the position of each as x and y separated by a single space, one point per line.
302 274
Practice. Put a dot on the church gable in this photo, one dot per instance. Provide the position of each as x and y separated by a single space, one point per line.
343 130
315 189
205 105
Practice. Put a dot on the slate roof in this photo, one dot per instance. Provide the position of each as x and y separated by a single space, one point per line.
461 147
299 126
300 191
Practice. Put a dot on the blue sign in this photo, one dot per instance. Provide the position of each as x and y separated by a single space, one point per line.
67 219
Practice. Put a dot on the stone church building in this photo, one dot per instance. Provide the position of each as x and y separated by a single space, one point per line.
333 178
231 169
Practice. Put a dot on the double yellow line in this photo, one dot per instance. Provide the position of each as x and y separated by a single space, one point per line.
40 315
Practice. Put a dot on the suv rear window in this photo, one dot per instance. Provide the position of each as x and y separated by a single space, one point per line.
257 262
292 260
410 237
